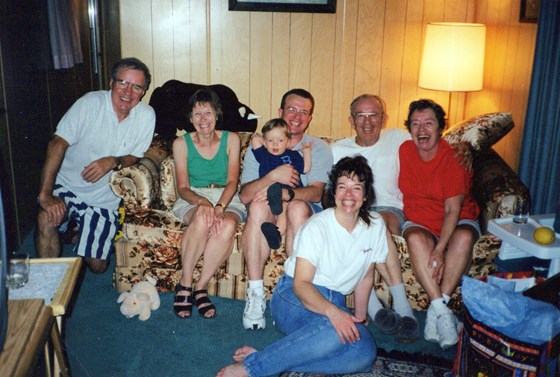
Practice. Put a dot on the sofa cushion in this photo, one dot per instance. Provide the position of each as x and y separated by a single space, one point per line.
482 131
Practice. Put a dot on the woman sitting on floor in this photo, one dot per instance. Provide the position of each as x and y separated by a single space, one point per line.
334 255
207 169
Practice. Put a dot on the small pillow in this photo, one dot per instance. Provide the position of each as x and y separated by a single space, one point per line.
482 131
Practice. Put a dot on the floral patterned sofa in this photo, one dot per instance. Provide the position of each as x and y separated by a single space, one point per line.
150 239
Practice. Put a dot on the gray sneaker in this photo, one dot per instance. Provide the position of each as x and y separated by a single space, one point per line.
430 329
253 315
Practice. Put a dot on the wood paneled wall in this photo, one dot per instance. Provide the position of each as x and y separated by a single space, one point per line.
367 46
33 98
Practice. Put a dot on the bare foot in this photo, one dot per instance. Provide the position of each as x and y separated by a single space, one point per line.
241 353
233 370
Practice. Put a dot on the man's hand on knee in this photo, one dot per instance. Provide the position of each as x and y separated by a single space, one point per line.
54 207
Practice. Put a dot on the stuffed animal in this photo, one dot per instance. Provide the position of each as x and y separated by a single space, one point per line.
140 300
170 100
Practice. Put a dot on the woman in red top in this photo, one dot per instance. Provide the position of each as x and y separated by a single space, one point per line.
441 226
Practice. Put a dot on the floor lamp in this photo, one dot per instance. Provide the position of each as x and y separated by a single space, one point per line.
453 58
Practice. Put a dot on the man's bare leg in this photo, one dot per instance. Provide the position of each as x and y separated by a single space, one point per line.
255 248
391 273
47 239
298 212
97 266
256 253
391 222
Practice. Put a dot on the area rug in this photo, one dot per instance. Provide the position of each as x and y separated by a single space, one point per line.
395 365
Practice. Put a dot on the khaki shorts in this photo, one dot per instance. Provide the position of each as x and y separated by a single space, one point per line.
181 206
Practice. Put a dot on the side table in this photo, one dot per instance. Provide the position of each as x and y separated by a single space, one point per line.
29 323
518 242
57 298
59 304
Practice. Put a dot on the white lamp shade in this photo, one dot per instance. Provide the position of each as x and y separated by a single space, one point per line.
453 57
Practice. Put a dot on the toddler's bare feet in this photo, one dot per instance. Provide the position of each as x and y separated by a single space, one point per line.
241 353
233 370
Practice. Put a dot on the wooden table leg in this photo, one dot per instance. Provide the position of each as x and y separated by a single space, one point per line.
48 366
59 353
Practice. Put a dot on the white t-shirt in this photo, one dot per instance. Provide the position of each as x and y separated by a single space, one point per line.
341 258
92 131
383 159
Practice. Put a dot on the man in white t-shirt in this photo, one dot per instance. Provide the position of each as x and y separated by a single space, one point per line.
103 131
381 149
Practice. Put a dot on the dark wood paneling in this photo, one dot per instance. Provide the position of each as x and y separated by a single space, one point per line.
35 98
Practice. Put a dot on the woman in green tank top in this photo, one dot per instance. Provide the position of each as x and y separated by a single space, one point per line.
207 172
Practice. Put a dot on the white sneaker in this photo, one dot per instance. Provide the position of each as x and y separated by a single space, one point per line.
253 315
430 328
447 329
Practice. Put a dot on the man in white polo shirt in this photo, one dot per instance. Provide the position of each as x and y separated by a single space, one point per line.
103 131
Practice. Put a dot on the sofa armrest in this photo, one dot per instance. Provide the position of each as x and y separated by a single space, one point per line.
495 186
137 185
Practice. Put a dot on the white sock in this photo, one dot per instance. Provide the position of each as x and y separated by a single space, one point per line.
446 298
257 285
374 305
439 306
400 301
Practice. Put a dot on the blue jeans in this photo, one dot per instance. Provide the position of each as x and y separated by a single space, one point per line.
311 343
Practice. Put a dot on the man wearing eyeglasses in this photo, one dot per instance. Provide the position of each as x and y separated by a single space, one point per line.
103 131
296 108
381 149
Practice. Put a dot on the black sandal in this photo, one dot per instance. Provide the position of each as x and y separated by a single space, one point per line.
183 299
204 300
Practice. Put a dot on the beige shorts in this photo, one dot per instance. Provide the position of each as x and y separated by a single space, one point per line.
181 206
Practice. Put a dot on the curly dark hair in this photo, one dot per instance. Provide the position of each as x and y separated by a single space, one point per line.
210 97
358 167
423 104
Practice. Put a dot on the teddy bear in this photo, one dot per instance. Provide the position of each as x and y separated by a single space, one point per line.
140 300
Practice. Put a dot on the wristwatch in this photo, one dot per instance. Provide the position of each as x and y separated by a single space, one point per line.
119 165
220 205
291 194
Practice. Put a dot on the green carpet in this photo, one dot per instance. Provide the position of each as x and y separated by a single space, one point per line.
100 341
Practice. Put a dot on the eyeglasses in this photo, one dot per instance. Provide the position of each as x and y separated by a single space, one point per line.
122 84
361 117
292 110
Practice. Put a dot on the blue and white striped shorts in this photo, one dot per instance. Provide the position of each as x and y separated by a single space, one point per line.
97 226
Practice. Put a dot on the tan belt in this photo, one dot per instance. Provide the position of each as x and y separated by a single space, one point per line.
214 186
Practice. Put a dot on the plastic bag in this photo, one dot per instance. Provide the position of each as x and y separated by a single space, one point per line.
511 313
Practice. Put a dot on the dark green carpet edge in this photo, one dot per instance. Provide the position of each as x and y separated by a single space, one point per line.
100 341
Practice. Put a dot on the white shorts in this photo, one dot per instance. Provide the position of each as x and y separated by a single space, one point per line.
181 206
472 223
